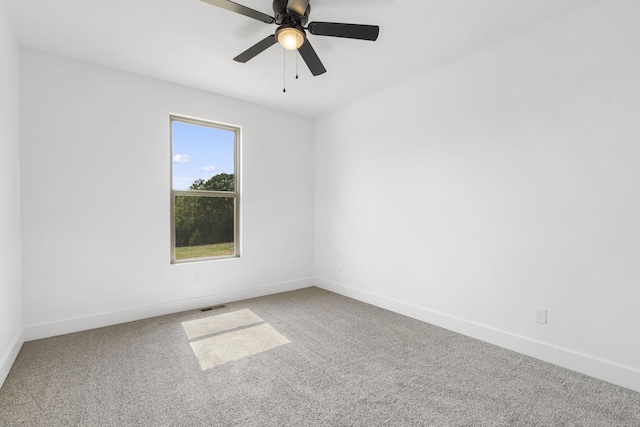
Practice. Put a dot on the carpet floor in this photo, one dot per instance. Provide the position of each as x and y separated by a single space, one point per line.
301 358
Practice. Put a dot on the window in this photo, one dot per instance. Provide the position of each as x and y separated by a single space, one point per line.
205 199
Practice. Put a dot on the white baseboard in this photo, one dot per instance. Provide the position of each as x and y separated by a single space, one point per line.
10 355
602 369
67 326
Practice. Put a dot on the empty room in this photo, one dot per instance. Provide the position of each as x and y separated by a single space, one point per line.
319 213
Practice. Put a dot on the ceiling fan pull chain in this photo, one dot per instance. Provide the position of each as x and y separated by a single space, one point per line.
296 66
284 70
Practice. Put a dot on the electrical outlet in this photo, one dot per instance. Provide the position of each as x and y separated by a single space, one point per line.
541 315
196 279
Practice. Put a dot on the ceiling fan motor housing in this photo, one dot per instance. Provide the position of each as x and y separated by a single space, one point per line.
286 15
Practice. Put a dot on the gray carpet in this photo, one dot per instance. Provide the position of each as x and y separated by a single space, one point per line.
347 364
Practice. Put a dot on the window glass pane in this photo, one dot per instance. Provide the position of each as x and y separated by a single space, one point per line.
204 226
203 157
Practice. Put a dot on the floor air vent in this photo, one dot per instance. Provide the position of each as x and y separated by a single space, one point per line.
215 307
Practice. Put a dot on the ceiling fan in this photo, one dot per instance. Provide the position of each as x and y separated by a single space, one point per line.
291 16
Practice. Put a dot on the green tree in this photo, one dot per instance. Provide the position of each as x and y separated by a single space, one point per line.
220 182
202 220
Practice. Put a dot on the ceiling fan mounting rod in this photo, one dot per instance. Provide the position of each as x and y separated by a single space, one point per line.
290 11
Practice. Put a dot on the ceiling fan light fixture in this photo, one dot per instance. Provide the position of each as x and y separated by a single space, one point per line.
290 38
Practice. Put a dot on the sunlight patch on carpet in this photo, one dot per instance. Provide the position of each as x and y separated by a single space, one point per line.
223 322
235 345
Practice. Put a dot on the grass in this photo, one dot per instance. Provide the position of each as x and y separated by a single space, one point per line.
219 249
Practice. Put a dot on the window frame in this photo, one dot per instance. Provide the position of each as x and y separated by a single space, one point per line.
235 195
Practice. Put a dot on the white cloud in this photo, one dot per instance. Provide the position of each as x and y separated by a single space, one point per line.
181 158
207 169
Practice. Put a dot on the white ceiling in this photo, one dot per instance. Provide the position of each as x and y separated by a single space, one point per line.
192 43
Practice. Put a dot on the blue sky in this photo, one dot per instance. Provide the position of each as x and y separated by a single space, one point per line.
200 152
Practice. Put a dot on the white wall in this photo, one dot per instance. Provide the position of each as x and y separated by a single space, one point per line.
464 197
95 194
504 181
10 272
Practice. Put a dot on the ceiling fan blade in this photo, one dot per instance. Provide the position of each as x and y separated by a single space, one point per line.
242 10
257 48
311 58
297 8
349 31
